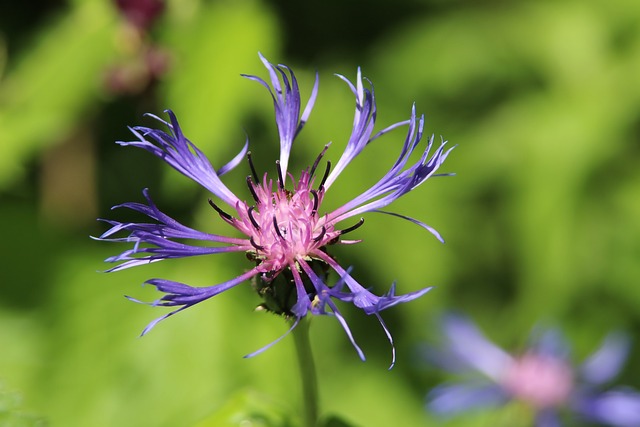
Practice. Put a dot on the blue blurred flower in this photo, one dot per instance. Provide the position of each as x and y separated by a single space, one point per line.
542 377
283 230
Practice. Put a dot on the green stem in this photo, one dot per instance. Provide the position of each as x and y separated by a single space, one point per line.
307 373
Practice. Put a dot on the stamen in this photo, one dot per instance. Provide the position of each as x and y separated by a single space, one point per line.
253 169
250 184
353 227
253 220
316 201
255 245
280 179
326 174
317 162
275 225
222 213
321 235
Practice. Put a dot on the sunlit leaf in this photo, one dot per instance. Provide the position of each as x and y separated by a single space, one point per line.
251 409
53 85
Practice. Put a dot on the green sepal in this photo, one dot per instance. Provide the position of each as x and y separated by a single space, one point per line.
279 294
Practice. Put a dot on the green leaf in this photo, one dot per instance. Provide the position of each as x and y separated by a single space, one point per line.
335 421
251 408
12 414
49 88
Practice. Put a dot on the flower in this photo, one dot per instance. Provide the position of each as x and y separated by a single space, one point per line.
283 230
141 13
542 377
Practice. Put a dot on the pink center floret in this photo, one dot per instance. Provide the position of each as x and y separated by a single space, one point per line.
539 380
285 225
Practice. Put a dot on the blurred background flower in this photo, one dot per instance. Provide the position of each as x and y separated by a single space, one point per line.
542 377
540 222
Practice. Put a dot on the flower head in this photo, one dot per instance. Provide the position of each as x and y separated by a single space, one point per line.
542 377
140 13
282 227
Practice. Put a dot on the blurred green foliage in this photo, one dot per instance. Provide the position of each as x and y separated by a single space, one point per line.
541 221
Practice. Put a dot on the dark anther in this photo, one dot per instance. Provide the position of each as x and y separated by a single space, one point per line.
253 220
280 179
275 225
253 191
326 174
255 245
317 162
316 200
321 235
253 169
220 211
353 227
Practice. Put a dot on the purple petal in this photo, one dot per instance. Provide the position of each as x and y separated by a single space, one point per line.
390 299
181 154
368 302
390 338
324 295
391 188
389 129
303 304
618 408
550 342
185 296
168 250
359 296
547 418
468 344
271 344
397 182
606 362
363 122
286 102
310 103
362 298
415 221
393 179
451 399
166 226
155 239
152 324
236 160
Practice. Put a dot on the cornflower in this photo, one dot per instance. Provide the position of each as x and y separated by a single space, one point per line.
542 378
283 229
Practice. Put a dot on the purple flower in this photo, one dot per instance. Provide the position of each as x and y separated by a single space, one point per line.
542 377
141 13
282 227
